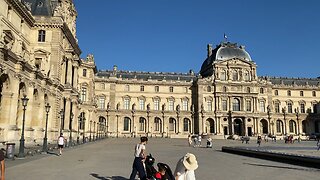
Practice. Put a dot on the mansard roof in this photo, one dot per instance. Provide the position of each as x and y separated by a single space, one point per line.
140 75
40 7
295 81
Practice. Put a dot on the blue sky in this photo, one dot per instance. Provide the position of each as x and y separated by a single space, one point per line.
281 36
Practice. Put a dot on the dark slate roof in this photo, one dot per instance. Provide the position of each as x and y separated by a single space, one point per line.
40 7
147 75
294 81
223 51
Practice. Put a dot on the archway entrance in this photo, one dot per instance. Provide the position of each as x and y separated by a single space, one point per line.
238 126
264 126
209 126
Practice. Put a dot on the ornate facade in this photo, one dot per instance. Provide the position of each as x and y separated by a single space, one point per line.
40 58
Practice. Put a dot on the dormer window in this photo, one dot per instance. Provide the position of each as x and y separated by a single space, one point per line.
42 36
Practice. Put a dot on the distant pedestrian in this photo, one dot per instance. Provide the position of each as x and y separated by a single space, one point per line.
139 158
2 165
185 167
199 139
61 140
259 139
189 140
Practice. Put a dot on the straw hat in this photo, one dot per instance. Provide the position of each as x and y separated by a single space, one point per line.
190 162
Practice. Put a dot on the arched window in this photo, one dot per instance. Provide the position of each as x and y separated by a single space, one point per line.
288 93
289 107
157 124
236 104
172 123
142 124
279 125
261 90
276 93
126 124
292 126
223 75
186 125
209 89
235 75
246 76
277 107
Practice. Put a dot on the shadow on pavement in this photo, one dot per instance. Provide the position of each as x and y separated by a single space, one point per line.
53 153
108 178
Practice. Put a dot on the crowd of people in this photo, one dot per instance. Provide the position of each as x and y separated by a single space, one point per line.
184 170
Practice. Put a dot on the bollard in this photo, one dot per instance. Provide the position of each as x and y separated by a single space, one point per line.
10 150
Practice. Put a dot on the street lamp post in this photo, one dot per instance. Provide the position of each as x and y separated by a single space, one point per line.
45 139
90 130
84 129
78 134
21 148
94 131
284 118
297 114
61 117
269 118
70 137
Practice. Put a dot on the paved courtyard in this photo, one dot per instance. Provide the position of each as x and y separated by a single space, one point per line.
111 159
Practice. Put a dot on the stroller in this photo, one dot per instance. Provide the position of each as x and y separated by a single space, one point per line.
151 171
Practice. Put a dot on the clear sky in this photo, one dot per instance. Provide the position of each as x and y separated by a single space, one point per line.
281 36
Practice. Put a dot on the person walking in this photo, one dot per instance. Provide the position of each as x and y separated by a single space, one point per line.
61 140
185 167
139 157
189 140
2 165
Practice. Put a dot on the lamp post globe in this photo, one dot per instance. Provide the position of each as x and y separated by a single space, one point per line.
21 147
45 139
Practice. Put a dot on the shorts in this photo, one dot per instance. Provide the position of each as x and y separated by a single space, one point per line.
60 146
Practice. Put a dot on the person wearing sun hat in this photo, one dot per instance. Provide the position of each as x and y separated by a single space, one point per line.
185 167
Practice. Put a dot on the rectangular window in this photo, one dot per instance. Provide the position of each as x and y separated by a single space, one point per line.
141 124
126 124
141 88
289 108
262 106
84 72
102 102
38 63
127 87
83 94
171 105
141 103
171 89
209 105
224 105
186 90
156 88
41 36
185 105
277 107
103 86
127 104
156 104
314 94
248 105
302 108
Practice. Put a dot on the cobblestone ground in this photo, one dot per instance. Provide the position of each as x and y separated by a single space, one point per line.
111 159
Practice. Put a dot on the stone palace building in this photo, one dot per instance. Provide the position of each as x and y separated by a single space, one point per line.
40 60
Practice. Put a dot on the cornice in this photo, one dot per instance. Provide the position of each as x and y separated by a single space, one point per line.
71 39
22 10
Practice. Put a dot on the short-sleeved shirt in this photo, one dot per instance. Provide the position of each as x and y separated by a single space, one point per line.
1 155
137 150
61 140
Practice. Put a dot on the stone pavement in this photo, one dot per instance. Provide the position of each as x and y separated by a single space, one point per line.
111 159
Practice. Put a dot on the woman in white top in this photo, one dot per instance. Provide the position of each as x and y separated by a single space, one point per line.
185 167
60 143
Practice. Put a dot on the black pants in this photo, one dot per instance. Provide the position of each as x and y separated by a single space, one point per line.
138 167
